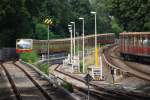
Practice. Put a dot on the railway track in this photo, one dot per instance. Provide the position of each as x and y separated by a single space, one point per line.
12 83
136 69
32 87
106 94
29 85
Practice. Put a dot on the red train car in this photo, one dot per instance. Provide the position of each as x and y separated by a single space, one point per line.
135 46
63 45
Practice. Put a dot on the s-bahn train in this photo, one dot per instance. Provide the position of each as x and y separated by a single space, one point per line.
135 46
63 45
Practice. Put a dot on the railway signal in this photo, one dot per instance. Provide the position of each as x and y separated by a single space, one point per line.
48 21
88 78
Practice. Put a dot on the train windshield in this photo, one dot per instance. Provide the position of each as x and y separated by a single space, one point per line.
24 44
146 42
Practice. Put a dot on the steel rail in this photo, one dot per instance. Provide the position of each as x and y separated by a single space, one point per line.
115 93
46 95
12 83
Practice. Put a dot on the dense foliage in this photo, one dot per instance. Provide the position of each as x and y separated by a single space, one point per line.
24 18
133 15
30 57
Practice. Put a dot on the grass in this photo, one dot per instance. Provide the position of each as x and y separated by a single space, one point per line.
68 87
30 57
44 68
89 60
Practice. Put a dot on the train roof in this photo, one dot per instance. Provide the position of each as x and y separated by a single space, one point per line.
86 36
135 33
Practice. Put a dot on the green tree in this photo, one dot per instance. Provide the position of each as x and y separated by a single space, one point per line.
59 11
116 28
103 15
42 31
15 21
133 15
82 8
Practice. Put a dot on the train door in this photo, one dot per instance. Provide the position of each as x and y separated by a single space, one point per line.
122 43
148 45
126 43
145 40
140 44
135 46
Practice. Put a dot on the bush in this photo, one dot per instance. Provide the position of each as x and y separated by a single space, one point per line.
30 57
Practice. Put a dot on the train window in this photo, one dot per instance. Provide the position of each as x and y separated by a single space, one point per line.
135 40
140 40
148 42
132 40
126 40
145 41
24 44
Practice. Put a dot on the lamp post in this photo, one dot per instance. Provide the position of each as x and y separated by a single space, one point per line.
77 42
78 58
94 13
70 30
48 22
74 41
81 18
